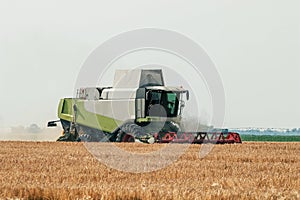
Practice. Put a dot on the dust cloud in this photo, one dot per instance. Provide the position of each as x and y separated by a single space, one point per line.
23 134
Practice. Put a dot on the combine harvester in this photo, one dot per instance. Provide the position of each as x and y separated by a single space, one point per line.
138 108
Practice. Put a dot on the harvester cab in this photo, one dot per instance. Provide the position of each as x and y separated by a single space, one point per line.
164 102
153 98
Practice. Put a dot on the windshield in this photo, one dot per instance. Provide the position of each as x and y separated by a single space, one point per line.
163 104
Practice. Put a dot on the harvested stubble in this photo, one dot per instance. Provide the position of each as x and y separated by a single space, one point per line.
34 170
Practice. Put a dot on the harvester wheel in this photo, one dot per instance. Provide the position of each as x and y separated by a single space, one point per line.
91 135
85 138
66 137
127 138
130 131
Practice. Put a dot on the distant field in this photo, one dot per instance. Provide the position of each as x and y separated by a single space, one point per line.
53 170
271 138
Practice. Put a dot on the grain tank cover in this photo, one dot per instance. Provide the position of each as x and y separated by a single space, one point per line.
138 78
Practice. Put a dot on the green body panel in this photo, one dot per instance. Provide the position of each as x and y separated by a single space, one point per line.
83 117
65 110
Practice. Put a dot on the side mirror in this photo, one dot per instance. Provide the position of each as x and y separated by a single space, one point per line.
187 95
52 123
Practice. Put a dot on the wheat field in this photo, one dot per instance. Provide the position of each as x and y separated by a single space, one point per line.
52 170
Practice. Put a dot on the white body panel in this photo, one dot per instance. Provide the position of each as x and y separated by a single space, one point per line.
127 78
119 93
117 109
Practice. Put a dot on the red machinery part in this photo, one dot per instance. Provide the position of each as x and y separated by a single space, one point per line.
199 137
234 136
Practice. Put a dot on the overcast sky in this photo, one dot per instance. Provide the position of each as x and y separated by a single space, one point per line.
254 44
